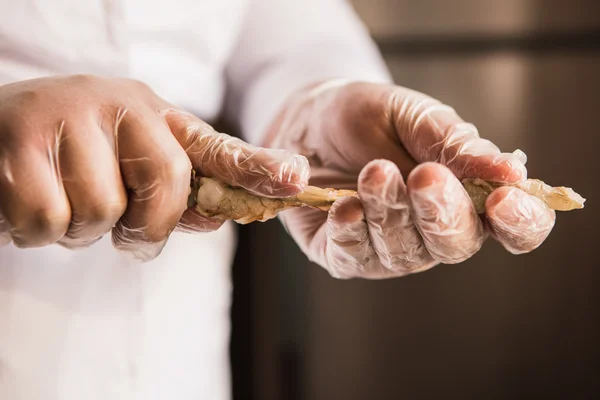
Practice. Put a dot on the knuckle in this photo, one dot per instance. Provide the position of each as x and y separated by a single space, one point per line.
403 259
42 227
139 248
204 134
216 145
176 169
425 262
451 253
450 259
16 130
146 91
523 243
344 266
142 86
26 96
84 79
5 239
52 221
157 235
341 273
106 211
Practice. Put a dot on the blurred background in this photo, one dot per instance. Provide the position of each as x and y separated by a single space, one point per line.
495 327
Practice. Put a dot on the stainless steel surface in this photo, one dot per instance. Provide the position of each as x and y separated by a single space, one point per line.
481 17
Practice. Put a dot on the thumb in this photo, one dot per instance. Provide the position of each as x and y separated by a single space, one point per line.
265 172
433 131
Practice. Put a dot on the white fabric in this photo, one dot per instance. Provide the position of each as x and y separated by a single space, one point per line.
93 324
287 44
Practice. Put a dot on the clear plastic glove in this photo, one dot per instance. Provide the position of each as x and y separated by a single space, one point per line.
405 153
81 156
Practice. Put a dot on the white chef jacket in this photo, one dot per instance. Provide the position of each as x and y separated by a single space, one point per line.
94 324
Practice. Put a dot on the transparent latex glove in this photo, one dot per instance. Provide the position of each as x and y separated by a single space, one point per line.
81 156
405 153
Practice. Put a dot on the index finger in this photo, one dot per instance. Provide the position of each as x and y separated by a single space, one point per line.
265 172
432 131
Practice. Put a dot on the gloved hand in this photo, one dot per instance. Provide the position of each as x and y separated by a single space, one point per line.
405 153
82 155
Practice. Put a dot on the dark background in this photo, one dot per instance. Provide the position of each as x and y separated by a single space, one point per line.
497 326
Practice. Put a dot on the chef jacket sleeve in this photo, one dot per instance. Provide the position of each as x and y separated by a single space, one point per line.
284 45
